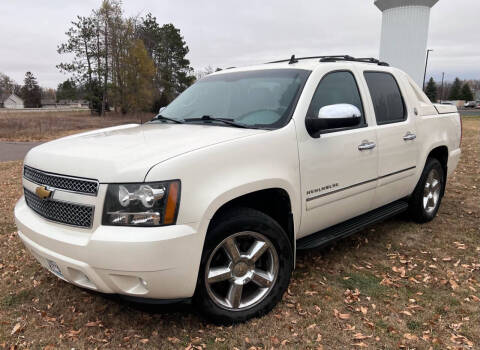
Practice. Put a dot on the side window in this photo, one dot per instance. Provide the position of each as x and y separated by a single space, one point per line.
386 97
336 88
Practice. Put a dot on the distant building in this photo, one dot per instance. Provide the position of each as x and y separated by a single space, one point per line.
65 104
72 104
48 103
11 101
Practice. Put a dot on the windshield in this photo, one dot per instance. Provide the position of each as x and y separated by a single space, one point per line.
262 99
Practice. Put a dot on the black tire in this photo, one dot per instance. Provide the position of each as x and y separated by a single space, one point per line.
231 223
417 209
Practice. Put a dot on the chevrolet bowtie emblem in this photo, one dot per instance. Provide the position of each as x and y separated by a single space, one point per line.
43 193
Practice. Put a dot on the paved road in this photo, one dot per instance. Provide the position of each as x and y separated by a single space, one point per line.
15 150
470 112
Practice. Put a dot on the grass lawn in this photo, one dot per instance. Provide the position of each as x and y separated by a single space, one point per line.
394 285
44 126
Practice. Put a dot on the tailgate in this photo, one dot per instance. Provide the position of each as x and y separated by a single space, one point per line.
445 109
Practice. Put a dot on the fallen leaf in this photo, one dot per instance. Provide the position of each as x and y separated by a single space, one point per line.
360 345
360 336
410 336
453 284
173 340
341 316
16 329
74 333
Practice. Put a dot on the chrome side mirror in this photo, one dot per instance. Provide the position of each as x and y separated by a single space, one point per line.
335 116
339 111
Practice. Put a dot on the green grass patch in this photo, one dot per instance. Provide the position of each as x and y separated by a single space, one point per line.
366 283
413 325
17 299
381 324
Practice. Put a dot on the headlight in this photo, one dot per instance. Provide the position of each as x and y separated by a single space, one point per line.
142 204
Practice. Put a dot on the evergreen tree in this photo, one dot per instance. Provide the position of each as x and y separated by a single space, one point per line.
67 90
81 44
168 50
139 78
455 90
466 93
431 90
7 85
31 92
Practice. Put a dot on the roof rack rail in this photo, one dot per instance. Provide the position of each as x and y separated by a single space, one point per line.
334 58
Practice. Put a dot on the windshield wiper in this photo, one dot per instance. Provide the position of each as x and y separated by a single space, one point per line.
208 118
161 117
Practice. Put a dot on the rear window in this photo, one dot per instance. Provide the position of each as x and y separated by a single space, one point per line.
386 97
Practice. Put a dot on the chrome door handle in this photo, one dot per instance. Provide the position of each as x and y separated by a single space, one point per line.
409 136
366 145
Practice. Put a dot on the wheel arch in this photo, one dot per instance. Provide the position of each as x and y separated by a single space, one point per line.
440 153
275 202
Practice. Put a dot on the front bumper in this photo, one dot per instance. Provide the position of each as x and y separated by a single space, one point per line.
155 263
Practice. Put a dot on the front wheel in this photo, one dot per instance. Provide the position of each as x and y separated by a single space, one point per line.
245 269
426 198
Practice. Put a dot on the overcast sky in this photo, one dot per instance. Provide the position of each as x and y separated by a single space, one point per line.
224 33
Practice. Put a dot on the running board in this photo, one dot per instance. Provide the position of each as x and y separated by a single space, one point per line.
351 226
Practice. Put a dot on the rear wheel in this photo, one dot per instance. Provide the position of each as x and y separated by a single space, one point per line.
246 267
426 198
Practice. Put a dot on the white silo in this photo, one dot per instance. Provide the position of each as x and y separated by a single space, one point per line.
404 34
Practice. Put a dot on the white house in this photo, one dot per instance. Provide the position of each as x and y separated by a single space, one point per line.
11 101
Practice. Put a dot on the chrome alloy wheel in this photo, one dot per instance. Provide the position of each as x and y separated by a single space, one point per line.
431 192
241 271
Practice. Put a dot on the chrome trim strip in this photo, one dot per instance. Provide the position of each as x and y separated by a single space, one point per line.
359 184
62 176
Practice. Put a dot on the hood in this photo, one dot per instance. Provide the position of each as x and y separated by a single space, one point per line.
126 153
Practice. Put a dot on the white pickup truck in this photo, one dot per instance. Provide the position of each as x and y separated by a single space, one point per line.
210 200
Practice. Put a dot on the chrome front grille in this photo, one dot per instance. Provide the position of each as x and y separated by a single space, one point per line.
62 212
62 182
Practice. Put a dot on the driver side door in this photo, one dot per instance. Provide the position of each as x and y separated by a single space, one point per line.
338 166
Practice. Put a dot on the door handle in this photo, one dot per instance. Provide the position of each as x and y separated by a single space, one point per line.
366 145
409 136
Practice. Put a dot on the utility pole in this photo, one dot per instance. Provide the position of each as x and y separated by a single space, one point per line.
441 93
426 64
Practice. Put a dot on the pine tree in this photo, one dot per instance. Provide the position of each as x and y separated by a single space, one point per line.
7 85
455 90
466 93
31 92
67 90
431 90
139 78
168 50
